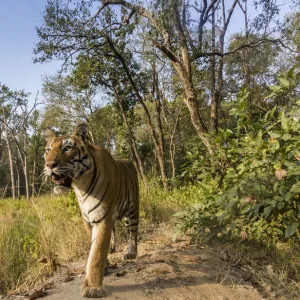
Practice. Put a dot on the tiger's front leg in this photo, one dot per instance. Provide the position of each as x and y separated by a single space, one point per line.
92 286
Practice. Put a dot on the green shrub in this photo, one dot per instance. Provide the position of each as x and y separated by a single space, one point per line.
252 183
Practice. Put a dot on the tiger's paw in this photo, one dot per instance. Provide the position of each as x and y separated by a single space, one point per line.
93 292
130 255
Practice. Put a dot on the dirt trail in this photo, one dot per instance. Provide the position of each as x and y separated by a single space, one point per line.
165 270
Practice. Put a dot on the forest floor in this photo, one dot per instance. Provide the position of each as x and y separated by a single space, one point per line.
166 268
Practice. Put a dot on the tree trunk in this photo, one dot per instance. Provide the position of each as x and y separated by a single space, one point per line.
144 106
161 142
18 192
11 165
33 192
4 191
25 168
214 99
172 144
247 52
135 152
192 104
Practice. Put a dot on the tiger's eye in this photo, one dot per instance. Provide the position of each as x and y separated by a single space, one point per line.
68 149
48 150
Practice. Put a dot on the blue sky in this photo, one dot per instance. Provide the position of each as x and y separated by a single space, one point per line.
18 37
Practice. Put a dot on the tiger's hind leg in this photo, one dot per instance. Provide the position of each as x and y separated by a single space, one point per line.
113 240
132 226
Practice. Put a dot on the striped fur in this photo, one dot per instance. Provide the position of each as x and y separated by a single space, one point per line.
106 190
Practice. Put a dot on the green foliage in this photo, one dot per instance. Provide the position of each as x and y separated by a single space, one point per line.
252 184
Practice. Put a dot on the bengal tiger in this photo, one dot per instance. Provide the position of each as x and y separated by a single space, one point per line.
106 189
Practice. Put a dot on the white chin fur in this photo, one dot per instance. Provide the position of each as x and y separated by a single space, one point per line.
61 190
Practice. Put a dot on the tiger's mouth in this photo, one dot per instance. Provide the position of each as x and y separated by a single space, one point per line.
61 180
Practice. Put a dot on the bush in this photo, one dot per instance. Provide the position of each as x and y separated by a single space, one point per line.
252 183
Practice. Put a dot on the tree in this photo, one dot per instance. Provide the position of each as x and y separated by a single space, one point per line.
15 119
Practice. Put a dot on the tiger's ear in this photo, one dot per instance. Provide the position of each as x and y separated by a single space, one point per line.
81 131
48 134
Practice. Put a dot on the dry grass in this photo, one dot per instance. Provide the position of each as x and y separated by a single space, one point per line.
50 229
47 229
274 270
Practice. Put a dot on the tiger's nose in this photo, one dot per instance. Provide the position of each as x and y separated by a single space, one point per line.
51 164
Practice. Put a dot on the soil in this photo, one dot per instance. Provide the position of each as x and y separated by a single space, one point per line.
165 269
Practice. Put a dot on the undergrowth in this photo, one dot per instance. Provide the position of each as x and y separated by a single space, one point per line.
37 237
251 184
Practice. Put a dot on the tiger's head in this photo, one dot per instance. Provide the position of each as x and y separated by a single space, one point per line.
66 157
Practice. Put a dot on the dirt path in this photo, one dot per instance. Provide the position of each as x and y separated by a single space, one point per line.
165 271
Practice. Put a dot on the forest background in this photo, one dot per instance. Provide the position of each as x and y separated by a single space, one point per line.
210 116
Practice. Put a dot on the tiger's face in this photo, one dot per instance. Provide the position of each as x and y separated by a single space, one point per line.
66 157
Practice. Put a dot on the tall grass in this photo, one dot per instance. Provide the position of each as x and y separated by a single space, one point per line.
51 229
45 228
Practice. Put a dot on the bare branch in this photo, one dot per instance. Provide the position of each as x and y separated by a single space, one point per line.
253 44
165 50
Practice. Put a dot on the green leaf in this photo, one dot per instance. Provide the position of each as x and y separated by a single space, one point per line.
290 73
268 210
274 88
286 137
274 134
288 196
284 82
285 122
203 175
291 229
296 188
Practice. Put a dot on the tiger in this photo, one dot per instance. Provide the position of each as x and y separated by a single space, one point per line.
106 189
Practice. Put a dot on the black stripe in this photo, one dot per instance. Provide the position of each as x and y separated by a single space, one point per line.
100 188
119 192
93 182
87 167
78 151
133 215
123 201
135 224
132 184
134 181
98 204
128 214
121 187
80 160
98 221
126 183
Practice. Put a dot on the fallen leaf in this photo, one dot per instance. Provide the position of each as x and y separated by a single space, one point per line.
280 174
247 199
